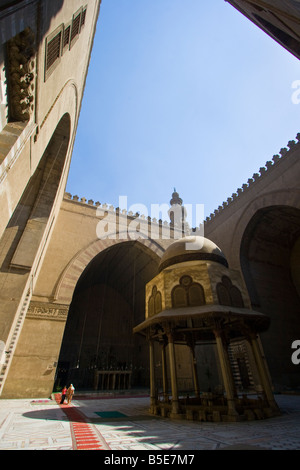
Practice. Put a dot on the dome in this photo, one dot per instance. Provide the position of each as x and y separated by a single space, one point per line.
192 248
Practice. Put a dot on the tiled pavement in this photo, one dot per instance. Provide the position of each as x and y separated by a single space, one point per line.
124 424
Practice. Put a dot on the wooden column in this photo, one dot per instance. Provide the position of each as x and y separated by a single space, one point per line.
164 372
152 374
194 368
175 403
263 374
226 373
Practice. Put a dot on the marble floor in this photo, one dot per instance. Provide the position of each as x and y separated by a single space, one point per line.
124 424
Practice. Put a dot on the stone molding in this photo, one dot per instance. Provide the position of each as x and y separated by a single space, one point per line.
47 311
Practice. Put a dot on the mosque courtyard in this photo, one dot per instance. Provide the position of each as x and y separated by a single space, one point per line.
123 423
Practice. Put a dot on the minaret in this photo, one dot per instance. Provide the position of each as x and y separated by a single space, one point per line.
175 198
177 212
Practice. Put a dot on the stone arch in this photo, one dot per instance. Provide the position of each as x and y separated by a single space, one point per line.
33 217
73 271
268 255
107 300
187 293
24 240
60 121
154 302
223 294
228 294
36 206
288 198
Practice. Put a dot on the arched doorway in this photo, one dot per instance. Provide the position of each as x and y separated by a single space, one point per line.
108 301
270 258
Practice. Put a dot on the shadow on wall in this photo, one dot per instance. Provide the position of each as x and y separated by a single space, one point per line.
48 9
21 40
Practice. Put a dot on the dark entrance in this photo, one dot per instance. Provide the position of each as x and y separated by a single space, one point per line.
270 260
99 350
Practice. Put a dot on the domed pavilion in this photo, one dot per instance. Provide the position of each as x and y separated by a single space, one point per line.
194 300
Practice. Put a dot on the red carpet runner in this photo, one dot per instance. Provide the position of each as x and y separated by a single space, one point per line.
84 436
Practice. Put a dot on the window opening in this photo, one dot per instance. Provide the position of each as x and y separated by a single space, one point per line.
75 26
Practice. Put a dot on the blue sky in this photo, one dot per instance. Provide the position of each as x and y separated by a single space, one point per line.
187 94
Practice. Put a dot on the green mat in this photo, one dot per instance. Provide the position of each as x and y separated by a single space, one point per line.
110 414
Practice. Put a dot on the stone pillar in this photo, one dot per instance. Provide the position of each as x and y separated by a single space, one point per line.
175 403
152 375
164 372
263 374
226 373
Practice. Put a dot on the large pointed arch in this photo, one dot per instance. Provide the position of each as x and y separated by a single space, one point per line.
66 285
108 300
269 254
282 197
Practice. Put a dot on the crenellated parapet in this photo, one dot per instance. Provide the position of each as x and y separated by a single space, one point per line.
110 208
256 177
104 209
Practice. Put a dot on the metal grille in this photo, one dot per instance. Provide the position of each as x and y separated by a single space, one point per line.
66 39
83 18
53 50
75 26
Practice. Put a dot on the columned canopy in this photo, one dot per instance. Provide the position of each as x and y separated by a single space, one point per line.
198 302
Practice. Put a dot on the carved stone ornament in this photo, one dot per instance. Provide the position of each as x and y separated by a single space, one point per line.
20 68
46 311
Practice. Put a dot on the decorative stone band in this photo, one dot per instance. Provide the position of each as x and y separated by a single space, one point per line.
47 311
